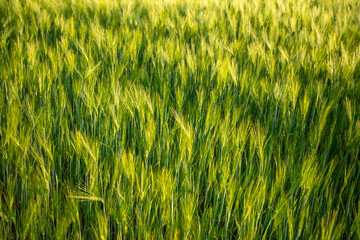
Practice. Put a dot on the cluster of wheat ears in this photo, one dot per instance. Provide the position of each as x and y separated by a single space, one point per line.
157 119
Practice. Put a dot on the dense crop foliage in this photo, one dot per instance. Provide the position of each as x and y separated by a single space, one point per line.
206 119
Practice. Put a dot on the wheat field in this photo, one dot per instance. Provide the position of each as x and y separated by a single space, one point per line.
130 119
